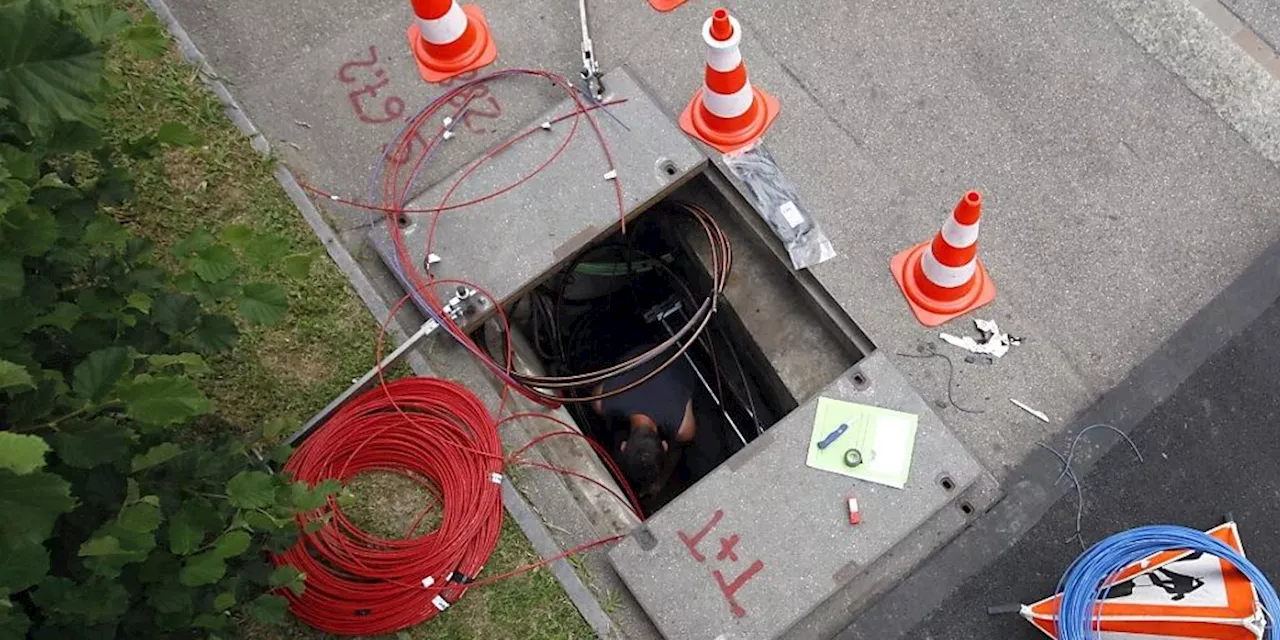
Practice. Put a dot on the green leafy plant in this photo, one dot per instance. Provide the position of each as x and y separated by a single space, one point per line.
128 509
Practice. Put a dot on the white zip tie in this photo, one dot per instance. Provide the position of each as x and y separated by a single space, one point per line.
447 135
495 478
334 198
448 122
433 258
546 126
427 582
440 603
612 175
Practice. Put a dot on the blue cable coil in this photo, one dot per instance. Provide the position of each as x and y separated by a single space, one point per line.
1083 585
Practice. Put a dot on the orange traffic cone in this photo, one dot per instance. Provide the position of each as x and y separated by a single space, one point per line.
944 279
728 113
666 5
448 39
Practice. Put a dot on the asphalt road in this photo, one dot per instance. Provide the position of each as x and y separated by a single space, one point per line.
1211 449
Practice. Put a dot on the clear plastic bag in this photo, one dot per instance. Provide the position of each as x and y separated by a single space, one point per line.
777 201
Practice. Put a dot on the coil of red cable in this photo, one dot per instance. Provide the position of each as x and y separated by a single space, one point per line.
436 433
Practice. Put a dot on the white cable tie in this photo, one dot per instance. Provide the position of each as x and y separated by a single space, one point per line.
440 603
427 582
334 198
495 478
433 258
448 122
546 126
447 135
612 175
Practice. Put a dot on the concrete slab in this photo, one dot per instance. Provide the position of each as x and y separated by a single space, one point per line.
730 559
508 243
1261 15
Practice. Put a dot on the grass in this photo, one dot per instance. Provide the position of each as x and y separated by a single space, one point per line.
294 368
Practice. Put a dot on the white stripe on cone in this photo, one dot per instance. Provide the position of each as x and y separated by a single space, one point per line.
728 106
445 29
724 56
959 235
944 276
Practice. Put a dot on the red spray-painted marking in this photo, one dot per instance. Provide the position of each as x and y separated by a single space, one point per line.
727 552
692 543
730 590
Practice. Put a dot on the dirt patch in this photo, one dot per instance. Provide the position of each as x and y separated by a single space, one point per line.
391 505
186 172
294 361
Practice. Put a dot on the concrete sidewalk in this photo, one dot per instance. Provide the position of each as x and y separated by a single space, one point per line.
1126 150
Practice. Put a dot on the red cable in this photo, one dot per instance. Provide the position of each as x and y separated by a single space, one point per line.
432 431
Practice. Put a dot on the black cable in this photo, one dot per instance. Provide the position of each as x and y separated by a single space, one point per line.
951 372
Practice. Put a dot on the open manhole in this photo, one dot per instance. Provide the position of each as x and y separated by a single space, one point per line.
626 293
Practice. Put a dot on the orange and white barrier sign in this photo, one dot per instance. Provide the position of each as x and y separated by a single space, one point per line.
1172 595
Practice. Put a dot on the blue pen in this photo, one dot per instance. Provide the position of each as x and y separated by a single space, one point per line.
833 436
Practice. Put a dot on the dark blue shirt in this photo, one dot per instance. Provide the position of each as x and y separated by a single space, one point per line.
662 398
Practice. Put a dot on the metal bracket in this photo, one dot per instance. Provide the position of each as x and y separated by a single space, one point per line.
464 302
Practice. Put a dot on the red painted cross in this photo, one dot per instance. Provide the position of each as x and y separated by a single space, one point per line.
731 589
692 542
726 548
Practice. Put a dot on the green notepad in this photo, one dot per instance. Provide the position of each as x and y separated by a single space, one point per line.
885 438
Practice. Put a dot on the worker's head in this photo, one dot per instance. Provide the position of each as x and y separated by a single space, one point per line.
641 455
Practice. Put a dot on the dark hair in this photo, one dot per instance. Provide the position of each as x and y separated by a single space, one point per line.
641 461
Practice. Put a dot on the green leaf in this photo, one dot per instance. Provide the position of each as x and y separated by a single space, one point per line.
287 576
196 241
215 264
277 426
101 442
189 363
236 235
92 601
14 624
22 566
14 376
140 301
145 39
164 400
22 454
31 503
100 21
32 230
99 373
224 601
47 71
298 265
232 544
202 569
158 454
185 533
12 278
265 249
175 313
168 597
178 135
263 303
104 231
212 622
100 546
251 490
63 316
140 517
214 334
269 609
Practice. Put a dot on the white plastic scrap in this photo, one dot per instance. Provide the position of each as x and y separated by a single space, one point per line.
546 126
1022 405
612 175
995 343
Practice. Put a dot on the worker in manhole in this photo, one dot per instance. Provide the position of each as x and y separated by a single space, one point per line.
655 423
